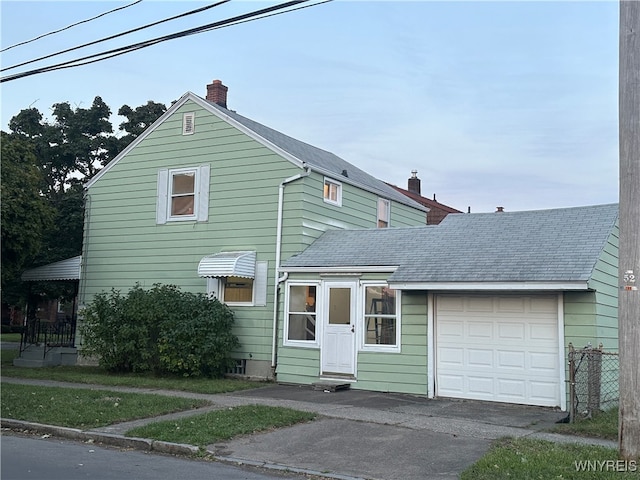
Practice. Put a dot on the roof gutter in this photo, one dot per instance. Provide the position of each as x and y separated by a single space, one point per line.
491 286
278 279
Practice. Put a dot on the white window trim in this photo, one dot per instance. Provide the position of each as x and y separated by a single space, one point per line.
185 123
215 288
388 219
364 347
331 181
223 285
196 182
285 331
201 201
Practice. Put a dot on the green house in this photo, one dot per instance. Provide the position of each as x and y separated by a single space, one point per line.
333 275
481 306
211 201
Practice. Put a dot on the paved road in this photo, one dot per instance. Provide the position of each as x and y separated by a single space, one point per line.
25 458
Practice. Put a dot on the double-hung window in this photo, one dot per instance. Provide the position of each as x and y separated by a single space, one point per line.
381 318
384 209
332 192
301 314
183 194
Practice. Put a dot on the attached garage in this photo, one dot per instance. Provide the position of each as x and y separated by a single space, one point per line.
489 301
498 348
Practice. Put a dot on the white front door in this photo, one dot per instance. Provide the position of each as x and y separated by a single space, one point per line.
338 341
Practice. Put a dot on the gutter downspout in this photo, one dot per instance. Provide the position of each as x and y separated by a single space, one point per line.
278 279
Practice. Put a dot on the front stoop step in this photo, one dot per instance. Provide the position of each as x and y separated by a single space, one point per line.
328 386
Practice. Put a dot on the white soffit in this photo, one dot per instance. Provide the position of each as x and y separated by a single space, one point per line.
68 269
228 264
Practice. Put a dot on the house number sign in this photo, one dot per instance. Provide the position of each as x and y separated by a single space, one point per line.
629 279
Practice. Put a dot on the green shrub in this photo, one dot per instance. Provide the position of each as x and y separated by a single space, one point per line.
162 330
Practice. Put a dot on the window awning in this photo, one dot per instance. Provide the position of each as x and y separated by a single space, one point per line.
68 269
228 264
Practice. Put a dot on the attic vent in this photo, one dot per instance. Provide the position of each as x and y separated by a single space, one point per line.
188 123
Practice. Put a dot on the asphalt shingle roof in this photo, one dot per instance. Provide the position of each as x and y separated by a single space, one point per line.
316 157
533 246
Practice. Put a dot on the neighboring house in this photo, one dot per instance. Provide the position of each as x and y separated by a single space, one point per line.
482 306
211 201
436 210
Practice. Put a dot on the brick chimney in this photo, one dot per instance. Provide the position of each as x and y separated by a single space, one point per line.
217 93
414 183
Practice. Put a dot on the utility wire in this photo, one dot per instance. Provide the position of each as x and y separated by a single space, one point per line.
70 26
198 10
127 49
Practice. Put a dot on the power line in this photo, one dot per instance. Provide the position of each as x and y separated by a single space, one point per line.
137 46
198 10
70 26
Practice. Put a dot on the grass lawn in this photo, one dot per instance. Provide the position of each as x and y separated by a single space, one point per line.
205 429
99 376
603 425
79 408
10 337
524 459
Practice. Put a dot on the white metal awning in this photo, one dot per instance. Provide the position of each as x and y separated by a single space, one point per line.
68 269
228 264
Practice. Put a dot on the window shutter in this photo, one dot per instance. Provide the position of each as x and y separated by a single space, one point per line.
260 284
203 193
161 206
213 288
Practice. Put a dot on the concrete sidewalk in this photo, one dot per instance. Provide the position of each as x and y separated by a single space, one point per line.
358 435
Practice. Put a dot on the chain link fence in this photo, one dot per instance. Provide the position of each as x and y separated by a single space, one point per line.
593 381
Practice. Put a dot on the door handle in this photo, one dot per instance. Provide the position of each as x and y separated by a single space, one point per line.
353 329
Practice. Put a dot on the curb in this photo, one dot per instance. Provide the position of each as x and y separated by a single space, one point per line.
101 437
159 446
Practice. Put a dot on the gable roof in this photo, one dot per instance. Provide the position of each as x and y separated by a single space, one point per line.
542 249
299 153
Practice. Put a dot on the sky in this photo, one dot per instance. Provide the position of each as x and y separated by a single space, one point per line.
506 103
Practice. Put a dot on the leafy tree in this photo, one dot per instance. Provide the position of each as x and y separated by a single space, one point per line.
56 157
26 213
138 120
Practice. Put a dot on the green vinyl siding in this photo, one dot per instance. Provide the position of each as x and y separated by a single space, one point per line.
405 371
124 246
592 317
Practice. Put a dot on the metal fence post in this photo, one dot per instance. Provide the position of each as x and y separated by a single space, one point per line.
572 384
594 373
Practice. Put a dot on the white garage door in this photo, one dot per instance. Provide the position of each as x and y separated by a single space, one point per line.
498 348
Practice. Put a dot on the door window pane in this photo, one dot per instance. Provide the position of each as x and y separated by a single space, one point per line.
339 306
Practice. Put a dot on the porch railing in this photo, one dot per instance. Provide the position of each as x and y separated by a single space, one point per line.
48 334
